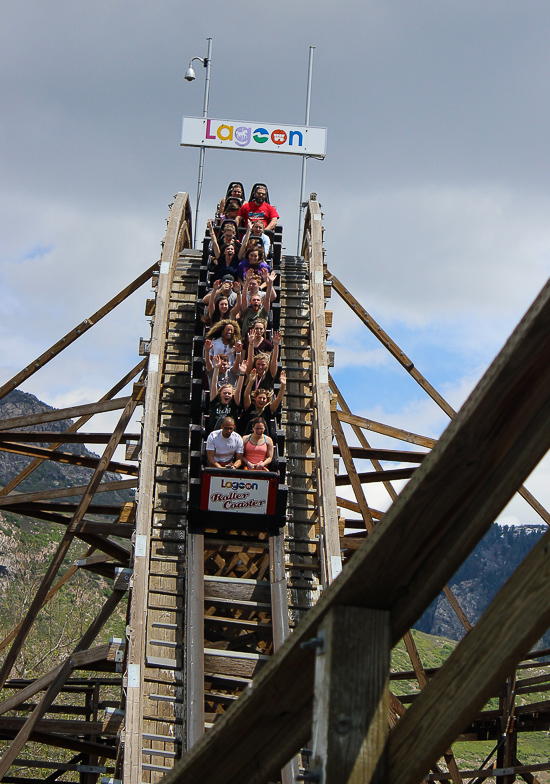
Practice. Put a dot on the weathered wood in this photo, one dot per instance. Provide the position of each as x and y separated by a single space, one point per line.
64 457
179 216
387 430
72 429
65 492
62 437
64 544
59 414
323 430
365 477
435 523
75 333
194 644
388 343
399 455
474 670
351 478
351 697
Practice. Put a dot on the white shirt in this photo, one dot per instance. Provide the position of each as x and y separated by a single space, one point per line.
224 448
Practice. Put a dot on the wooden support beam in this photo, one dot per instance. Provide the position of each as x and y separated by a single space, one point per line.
194 643
75 333
375 476
60 414
328 513
351 478
64 544
364 453
63 437
176 236
474 670
351 697
386 430
388 343
118 387
80 656
65 492
64 457
493 444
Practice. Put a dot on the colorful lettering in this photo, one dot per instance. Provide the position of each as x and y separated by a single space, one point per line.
299 135
229 129
208 136
279 136
260 135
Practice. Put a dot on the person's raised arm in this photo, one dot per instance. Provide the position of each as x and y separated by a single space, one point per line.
276 402
207 357
240 382
235 310
212 300
245 240
275 354
250 358
215 246
267 299
248 390
215 374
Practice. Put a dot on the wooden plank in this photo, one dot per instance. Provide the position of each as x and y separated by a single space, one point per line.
65 492
194 647
400 455
374 476
323 428
64 544
236 590
432 527
387 430
59 414
62 437
75 333
64 457
388 343
350 719
352 477
72 429
174 240
474 670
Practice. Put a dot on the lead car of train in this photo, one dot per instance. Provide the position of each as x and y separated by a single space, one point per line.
229 498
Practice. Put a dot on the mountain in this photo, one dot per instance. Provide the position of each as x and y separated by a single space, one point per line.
480 577
48 474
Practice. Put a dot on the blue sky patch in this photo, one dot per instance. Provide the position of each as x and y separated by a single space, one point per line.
37 252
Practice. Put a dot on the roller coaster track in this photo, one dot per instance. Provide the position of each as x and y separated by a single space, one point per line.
243 645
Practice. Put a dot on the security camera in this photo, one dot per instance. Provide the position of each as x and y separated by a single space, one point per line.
190 75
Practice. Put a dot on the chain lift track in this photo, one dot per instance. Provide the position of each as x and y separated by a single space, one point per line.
248 656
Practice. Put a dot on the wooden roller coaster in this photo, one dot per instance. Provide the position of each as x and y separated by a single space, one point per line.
261 653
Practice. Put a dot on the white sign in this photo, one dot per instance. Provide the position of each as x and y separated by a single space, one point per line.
238 495
256 136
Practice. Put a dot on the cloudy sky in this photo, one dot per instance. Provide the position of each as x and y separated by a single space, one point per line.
435 189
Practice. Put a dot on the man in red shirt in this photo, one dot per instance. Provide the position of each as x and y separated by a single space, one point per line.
258 209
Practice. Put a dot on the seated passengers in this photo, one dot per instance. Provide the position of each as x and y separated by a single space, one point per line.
233 189
224 447
258 209
227 235
256 308
253 284
261 403
258 447
227 264
256 342
226 374
224 338
254 258
254 231
224 401
263 367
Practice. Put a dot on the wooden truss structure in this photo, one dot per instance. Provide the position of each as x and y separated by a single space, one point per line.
262 656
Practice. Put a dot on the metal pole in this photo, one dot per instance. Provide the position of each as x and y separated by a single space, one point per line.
303 181
202 150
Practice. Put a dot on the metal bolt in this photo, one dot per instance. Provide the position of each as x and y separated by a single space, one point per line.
315 642
309 775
